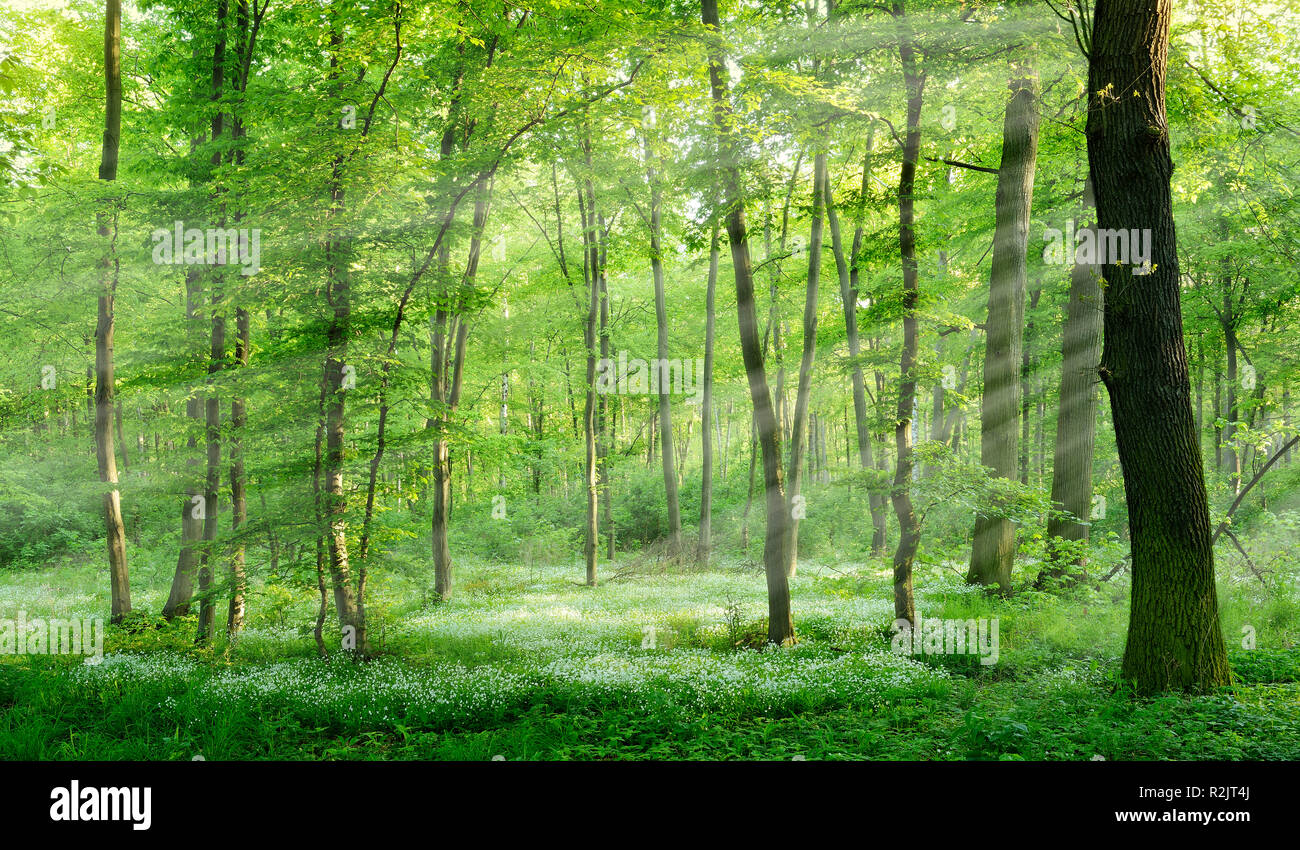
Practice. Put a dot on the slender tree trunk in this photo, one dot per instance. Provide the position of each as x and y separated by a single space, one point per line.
994 548
238 483
794 479
1174 637
749 492
664 377
1076 422
1232 453
338 330
1218 412
824 428
591 271
337 379
238 404
901 494
216 362
182 589
589 477
706 474
780 628
848 276
1200 386
105 324
90 389
121 439
447 363
724 440
439 252
606 423
318 504
1286 422
1027 366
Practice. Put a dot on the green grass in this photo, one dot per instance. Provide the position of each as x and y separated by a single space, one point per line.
528 664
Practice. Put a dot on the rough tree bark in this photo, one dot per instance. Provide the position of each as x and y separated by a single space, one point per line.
1174 638
994 547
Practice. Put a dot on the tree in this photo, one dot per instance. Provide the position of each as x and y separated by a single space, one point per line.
994 547
106 323
706 409
780 623
661 335
1076 422
901 494
593 239
216 356
800 423
1174 639
847 269
247 24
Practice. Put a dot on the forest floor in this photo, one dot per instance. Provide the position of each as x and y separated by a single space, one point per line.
526 663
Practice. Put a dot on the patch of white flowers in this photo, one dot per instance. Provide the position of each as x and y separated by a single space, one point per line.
387 693
632 643
773 681
1072 676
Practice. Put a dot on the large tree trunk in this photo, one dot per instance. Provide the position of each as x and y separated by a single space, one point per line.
1076 422
1174 638
780 624
994 548
908 523
794 480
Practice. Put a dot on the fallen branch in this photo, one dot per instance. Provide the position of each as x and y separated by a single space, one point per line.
1258 475
1117 568
1249 562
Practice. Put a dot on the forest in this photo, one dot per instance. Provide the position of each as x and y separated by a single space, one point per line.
673 380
